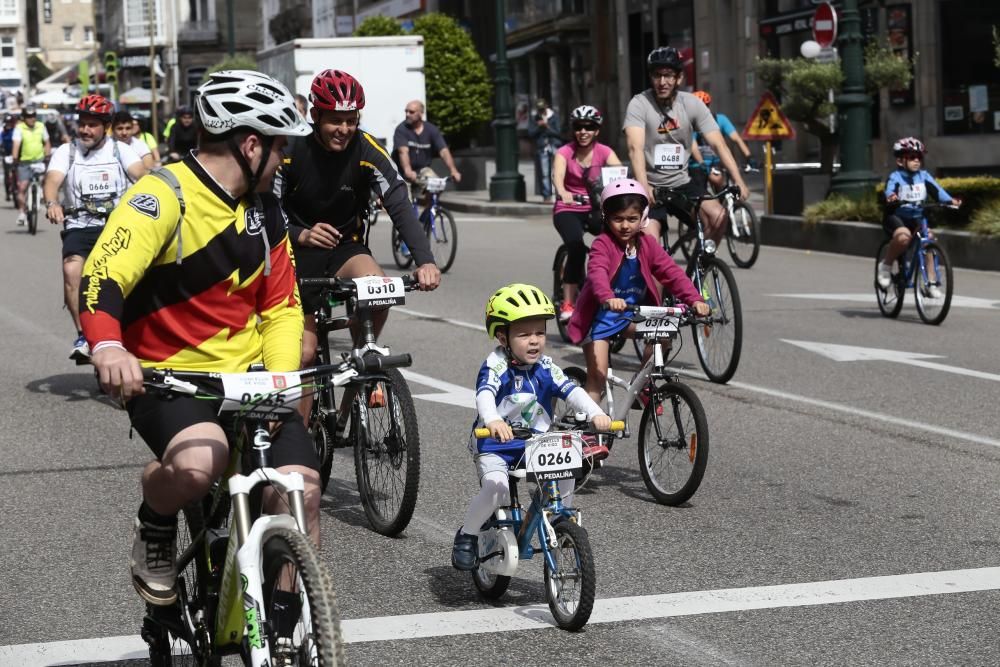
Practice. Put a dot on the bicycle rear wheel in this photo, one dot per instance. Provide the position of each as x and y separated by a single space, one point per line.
890 299
402 259
720 343
299 603
558 269
571 587
33 209
744 245
673 444
937 273
387 452
443 238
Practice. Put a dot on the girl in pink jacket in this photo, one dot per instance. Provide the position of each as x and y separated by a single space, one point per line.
625 268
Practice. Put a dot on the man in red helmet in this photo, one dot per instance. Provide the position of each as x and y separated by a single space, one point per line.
95 170
325 184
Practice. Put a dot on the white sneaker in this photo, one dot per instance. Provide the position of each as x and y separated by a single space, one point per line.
935 292
22 219
884 275
153 554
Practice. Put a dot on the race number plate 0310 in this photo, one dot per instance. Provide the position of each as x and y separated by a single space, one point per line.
380 291
657 325
261 394
556 456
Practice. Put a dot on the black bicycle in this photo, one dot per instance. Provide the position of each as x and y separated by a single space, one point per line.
718 344
376 416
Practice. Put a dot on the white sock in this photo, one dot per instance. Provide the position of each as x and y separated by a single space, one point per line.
494 492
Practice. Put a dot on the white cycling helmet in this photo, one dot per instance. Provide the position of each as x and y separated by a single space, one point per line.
587 114
240 98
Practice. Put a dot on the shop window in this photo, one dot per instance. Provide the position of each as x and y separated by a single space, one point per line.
970 87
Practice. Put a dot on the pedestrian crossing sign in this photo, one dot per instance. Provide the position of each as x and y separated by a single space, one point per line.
767 122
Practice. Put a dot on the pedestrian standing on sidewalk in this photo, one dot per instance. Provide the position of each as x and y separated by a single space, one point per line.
545 132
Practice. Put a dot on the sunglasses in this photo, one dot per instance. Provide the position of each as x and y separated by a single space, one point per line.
588 128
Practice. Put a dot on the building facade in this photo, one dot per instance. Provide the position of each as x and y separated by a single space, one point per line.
63 31
13 45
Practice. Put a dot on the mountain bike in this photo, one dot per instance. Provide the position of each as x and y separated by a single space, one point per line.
248 583
376 416
719 342
439 225
33 195
673 428
547 526
924 266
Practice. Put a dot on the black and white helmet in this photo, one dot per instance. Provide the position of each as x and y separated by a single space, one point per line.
908 145
587 114
239 98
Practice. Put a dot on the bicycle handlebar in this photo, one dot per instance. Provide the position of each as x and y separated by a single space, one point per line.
662 194
374 363
345 287
525 433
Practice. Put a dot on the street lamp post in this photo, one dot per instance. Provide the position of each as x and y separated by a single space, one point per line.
855 175
507 184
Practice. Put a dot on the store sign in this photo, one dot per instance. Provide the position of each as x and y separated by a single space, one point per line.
344 26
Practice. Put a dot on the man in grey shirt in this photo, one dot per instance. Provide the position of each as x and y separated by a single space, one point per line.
659 124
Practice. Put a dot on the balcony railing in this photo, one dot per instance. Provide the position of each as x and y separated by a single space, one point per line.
198 31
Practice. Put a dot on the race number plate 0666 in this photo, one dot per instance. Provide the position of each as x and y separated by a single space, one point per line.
380 291
558 456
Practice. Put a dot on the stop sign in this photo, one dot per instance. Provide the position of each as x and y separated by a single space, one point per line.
825 25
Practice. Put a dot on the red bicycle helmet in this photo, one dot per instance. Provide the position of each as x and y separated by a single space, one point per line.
97 106
335 90
704 97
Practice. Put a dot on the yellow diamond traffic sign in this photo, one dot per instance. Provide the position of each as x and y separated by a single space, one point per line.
767 122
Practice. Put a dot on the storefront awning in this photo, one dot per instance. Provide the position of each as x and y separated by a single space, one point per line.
519 51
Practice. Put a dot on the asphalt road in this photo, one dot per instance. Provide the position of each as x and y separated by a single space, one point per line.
874 478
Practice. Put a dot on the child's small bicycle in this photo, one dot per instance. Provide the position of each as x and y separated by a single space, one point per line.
673 429
510 536
925 267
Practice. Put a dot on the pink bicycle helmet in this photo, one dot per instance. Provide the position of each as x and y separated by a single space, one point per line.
624 186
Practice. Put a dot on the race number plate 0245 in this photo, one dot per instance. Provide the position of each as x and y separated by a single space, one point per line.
380 291
555 456
261 394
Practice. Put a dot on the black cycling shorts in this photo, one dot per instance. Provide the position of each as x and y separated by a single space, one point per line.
79 241
157 418
678 204
891 223
322 263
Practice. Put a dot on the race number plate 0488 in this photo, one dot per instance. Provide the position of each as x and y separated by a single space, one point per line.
380 291
557 456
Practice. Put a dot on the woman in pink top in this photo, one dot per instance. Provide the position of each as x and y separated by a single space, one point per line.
577 171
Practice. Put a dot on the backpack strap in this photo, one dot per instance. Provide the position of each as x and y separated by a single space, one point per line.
170 179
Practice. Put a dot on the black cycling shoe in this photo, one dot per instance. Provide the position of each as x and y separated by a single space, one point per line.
465 553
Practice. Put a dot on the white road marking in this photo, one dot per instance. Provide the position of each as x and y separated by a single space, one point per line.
869 297
534 617
853 353
453 393
438 318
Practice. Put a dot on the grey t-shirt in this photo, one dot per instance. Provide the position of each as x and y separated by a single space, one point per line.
424 147
668 134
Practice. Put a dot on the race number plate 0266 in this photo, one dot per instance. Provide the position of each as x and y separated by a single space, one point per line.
380 291
261 393
556 456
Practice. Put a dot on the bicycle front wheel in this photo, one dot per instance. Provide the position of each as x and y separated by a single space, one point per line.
719 344
570 588
442 234
299 603
400 253
673 444
932 286
743 235
890 299
387 453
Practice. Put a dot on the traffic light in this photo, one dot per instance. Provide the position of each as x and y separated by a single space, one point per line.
111 67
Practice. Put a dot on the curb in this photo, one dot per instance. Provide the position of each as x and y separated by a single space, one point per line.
965 250
505 209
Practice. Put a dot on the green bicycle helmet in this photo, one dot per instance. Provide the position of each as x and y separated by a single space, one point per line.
514 302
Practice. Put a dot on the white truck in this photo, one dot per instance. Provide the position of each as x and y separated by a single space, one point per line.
391 70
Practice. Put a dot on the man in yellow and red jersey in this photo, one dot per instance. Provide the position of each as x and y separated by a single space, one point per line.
209 288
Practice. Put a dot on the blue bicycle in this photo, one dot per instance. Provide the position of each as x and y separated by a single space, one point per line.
548 526
925 267
439 225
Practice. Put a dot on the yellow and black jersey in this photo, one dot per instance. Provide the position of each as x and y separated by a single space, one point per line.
215 309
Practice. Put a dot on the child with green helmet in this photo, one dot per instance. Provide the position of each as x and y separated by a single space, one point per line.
516 386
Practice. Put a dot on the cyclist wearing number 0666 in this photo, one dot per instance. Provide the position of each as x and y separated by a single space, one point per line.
326 181
659 127
207 285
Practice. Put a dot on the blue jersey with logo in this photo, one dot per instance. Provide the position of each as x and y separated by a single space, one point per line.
523 394
912 189
628 284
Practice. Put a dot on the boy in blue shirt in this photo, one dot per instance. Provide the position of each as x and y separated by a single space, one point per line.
905 193
516 387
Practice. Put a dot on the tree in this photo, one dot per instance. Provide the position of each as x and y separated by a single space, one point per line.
458 87
378 25
804 86
237 61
